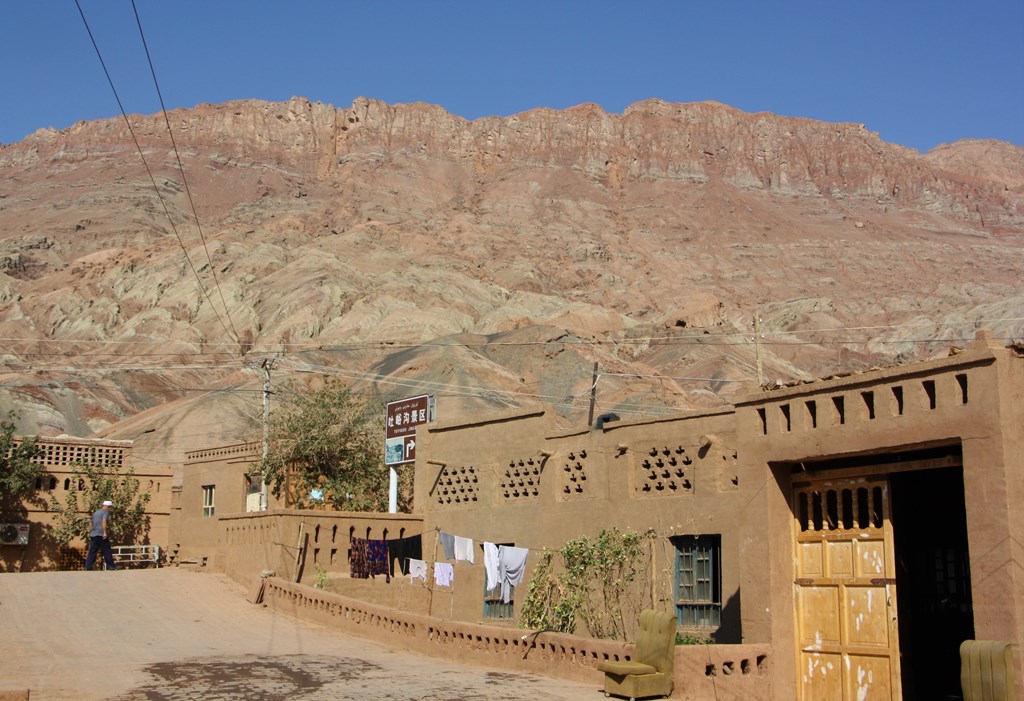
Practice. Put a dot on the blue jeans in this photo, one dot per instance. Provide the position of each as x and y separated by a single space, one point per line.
97 543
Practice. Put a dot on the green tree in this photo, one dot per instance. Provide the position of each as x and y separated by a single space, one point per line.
90 486
330 442
18 467
603 583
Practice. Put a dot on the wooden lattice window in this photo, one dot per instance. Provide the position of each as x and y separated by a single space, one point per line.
698 582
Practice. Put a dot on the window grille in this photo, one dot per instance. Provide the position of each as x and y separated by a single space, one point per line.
698 581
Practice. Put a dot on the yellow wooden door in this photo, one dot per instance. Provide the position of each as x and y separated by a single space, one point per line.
845 591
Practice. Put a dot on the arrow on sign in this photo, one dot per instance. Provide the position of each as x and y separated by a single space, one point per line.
409 447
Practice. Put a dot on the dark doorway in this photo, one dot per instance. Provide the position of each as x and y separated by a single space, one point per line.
933 580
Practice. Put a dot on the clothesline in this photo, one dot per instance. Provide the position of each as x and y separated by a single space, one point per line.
551 549
482 541
504 566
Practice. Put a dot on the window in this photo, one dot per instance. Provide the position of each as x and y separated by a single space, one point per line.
208 500
254 499
698 581
253 484
494 607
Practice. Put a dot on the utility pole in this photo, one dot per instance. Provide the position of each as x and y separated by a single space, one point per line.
757 349
266 364
593 397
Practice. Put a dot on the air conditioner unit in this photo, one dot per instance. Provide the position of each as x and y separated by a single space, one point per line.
14 533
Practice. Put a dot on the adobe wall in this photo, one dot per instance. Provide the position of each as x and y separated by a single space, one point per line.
59 458
512 478
302 542
195 536
1000 568
968 399
723 672
539 489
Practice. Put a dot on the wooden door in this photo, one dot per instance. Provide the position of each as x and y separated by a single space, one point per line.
845 591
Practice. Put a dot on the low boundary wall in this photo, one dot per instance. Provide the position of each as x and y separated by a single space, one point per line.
253 542
702 672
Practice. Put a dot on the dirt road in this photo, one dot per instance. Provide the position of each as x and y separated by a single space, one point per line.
172 634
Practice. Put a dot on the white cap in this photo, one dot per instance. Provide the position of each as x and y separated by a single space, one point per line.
108 503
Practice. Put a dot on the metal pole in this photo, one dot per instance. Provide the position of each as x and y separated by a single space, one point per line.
593 397
393 491
266 364
757 349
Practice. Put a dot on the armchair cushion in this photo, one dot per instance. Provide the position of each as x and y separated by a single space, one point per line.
623 668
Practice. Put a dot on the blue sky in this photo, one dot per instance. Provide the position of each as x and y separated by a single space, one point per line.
919 73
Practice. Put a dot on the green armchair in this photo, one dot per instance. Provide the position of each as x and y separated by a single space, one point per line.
649 673
986 670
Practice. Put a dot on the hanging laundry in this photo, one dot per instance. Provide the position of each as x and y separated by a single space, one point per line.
377 559
511 568
358 559
464 549
491 565
403 550
448 545
417 570
444 573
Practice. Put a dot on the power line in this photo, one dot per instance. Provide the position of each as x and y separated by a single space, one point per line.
132 356
181 168
384 379
743 338
149 172
667 377
29 367
112 341
391 346
95 385
448 389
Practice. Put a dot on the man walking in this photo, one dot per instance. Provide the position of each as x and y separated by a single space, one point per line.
98 538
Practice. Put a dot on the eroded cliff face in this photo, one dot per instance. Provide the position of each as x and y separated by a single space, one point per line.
357 238
651 140
693 143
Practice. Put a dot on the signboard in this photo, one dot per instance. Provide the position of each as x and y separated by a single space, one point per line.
403 417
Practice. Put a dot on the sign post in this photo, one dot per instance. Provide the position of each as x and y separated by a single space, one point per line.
402 418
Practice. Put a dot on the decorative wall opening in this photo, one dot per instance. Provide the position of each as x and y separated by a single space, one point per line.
520 479
812 412
929 392
574 475
961 381
665 470
897 397
869 404
457 485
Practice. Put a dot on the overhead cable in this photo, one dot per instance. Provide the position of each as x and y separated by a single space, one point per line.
152 178
181 168
744 338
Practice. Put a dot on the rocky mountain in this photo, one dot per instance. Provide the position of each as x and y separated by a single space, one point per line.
489 262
